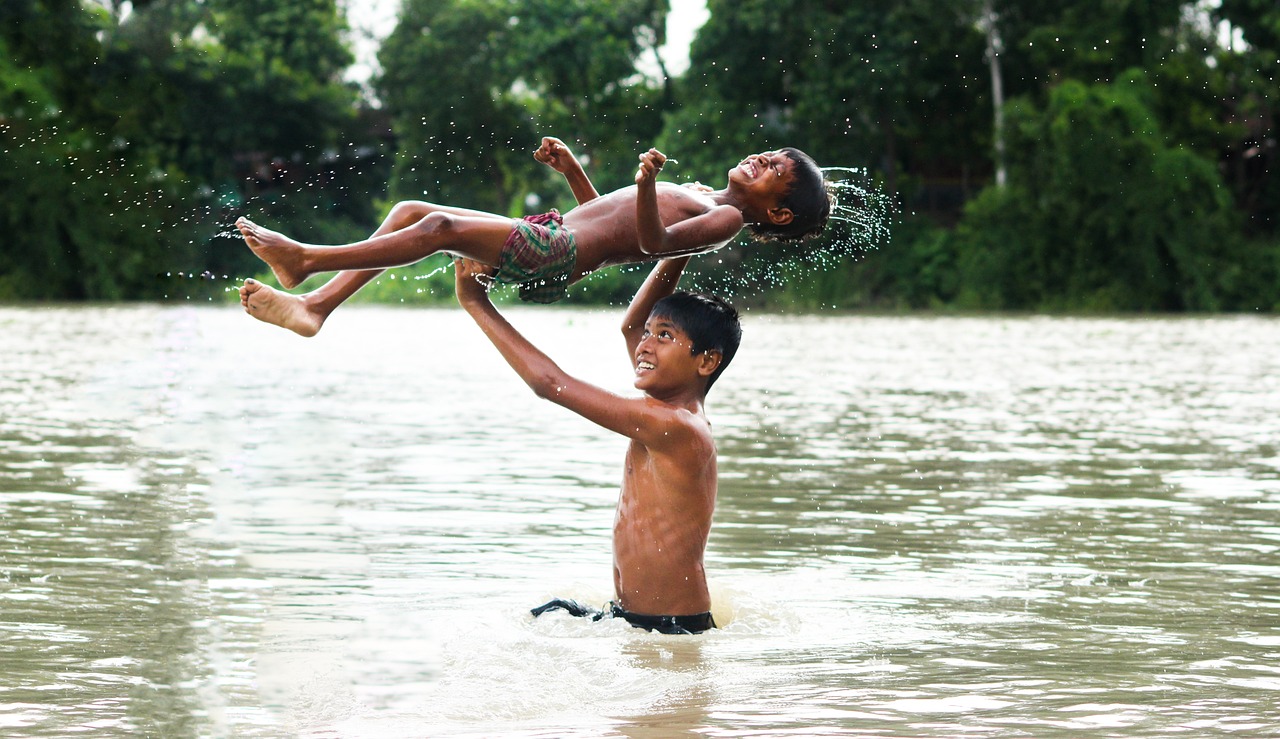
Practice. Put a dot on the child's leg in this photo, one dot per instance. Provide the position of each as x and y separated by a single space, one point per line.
475 237
305 314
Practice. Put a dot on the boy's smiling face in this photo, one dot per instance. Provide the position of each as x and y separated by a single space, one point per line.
665 362
761 181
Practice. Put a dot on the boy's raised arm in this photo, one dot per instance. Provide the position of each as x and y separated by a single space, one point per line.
660 283
651 423
696 235
557 156
650 230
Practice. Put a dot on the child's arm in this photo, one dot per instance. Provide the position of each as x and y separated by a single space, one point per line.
701 233
648 421
557 156
660 283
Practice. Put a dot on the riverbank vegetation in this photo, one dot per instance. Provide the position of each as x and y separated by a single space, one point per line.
1068 156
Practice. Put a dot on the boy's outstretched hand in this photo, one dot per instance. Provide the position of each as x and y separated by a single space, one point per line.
471 281
650 165
555 154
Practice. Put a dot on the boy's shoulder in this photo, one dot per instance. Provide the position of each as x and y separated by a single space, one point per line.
679 425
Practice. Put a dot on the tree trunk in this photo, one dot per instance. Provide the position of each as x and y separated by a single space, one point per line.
994 46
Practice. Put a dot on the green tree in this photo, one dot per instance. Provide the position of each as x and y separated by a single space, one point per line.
910 88
126 132
216 83
1250 98
1101 212
854 84
578 62
79 207
464 137
473 84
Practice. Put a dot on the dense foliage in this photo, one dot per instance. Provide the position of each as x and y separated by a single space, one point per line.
1052 156
133 132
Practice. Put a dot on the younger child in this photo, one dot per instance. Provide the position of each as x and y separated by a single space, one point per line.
678 343
778 195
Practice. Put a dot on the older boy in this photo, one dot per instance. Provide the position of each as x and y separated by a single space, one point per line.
679 343
778 195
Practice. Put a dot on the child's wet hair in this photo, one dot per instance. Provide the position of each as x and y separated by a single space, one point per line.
710 322
809 201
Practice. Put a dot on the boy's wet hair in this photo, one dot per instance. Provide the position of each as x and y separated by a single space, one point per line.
809 201
710 322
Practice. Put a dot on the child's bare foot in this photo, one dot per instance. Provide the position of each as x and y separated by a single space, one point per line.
281 253
267 304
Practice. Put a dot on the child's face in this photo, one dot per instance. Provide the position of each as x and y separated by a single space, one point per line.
764 179
664 358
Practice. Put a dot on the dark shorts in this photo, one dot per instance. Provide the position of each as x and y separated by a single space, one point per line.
691 624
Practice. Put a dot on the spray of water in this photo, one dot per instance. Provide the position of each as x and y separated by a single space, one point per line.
180 224
857 201
862 216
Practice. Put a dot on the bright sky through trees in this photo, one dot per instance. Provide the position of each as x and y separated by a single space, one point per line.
372 20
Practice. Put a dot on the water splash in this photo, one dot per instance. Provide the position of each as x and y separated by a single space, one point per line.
862 216
435 271
181 224
858 201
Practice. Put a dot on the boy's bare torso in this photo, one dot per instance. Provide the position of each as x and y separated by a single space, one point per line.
662 522
605 228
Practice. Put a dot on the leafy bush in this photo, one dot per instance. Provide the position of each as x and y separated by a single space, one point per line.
1101 213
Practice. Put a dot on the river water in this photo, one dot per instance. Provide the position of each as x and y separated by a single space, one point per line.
952 526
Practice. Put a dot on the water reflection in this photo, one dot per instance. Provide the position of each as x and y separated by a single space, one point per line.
927 527
112 613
